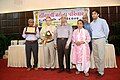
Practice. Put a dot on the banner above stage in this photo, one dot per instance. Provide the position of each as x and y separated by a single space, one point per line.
73 15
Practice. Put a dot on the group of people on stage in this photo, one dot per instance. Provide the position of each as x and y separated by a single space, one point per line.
87 38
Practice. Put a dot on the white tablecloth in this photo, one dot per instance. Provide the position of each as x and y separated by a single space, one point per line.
17 57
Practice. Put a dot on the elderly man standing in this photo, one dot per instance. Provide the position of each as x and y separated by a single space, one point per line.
47 35
63 36
100 31
31 35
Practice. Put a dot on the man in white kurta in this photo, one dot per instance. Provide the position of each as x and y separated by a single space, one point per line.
49 50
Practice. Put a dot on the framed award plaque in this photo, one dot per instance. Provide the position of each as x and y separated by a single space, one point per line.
30 30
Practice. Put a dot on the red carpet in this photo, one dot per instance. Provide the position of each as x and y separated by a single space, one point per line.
7 73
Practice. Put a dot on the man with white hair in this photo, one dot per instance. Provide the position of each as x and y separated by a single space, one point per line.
31 35
63 36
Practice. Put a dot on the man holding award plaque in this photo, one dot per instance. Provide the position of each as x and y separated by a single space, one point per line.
47 36
31 35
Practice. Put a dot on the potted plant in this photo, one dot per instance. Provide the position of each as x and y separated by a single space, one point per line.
114 37
5 41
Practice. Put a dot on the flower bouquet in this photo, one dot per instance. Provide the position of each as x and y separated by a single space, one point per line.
48 36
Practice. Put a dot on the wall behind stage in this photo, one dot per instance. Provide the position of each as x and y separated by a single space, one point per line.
15 22
7 6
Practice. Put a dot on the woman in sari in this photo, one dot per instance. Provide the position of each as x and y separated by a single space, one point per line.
80 49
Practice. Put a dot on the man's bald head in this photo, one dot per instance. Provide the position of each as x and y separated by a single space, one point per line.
30 22
63 18
48 20
85 18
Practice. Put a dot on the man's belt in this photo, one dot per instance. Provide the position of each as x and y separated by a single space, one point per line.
50 40
62 38
97 38
31 41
